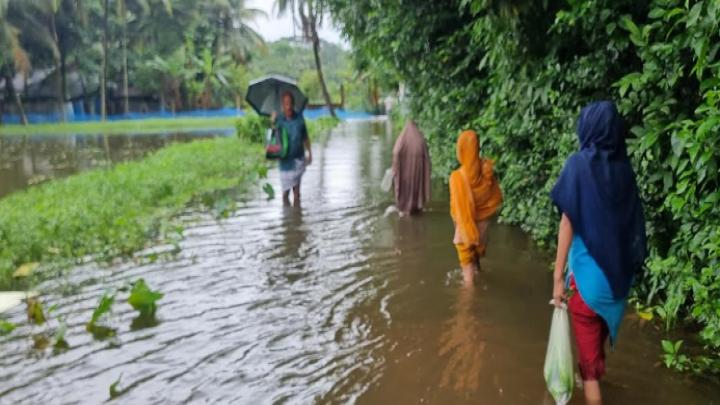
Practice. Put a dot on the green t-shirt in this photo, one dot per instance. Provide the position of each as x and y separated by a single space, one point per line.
297 134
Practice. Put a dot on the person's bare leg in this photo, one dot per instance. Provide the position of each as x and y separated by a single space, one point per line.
296 195
286 197
469 271
592 392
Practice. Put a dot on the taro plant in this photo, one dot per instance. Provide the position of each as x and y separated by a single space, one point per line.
672 356
104 307
143 299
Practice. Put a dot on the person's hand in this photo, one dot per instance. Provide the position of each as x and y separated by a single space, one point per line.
273 117
308 161
558 292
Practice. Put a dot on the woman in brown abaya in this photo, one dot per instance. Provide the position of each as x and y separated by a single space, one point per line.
411 170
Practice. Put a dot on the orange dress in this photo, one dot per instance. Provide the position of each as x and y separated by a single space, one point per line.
475 197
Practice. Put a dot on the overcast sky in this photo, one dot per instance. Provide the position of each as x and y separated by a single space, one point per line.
275 28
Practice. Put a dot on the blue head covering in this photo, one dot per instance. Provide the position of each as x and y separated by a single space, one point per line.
598 193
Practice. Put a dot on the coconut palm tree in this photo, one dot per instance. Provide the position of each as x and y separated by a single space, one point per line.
229 21
172 72
308 16
51 24
138 7
14 60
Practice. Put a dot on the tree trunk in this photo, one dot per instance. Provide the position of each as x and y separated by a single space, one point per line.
162 98
106 144
10 88
318 66
126 97
60 70
21 109
103 73
342 96
376 96
63 84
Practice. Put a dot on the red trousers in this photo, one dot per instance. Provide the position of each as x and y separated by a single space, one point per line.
590 334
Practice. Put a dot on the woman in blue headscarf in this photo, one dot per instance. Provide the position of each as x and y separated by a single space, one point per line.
602 236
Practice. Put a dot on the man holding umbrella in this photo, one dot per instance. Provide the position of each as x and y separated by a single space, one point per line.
273 93
292 166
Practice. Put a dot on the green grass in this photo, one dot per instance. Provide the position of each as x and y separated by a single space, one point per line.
143 126
111 212
106 213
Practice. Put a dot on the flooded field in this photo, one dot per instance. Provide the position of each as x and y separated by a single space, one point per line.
25 161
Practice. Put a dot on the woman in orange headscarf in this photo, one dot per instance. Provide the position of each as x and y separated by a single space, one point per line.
475 197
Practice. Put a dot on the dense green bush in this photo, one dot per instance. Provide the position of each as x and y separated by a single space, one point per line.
519 71
252 127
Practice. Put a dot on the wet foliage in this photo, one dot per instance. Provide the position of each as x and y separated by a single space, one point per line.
519 72
106 213
114 390
6 327
269 190
143 299
35 312
94 326
252 127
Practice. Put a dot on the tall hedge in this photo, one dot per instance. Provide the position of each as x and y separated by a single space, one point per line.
519 72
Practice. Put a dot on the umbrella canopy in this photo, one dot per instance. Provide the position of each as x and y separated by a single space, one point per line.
265 94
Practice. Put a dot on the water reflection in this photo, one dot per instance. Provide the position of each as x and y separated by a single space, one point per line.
293 232
30 160
462 345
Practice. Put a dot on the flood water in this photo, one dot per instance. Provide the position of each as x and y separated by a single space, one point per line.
29 160
330 303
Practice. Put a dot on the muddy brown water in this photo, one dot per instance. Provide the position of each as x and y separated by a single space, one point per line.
330 303
30 160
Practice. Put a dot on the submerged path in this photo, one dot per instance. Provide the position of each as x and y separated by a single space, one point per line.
331 303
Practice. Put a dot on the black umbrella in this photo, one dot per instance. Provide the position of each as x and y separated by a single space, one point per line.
265 94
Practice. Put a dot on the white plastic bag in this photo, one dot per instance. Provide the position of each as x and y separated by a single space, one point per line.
387 180
558 370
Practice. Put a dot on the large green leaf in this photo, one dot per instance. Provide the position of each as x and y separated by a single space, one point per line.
143 299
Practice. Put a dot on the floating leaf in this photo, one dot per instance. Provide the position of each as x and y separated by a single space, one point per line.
269 190
25 270
114 391
35 311
143 299
6 327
